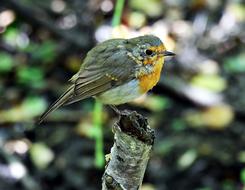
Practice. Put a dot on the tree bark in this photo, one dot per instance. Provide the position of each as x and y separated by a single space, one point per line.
130 153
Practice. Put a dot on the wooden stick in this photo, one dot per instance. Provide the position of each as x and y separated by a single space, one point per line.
130 153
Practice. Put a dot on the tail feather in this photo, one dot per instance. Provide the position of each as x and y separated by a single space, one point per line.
59 102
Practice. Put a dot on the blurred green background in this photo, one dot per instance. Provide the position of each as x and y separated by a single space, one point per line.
197 109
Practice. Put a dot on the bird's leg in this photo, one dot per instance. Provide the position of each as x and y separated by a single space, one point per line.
118 112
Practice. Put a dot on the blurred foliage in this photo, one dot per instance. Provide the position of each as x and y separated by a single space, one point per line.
41 155
98 134
6 62
235 64
197 108
30 76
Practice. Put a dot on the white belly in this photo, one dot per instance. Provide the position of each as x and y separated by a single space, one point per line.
121 94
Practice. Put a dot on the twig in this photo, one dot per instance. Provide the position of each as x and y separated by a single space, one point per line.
116 20
129 154
99 154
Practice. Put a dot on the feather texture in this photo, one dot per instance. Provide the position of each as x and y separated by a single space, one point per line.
111 71
97 74
59 102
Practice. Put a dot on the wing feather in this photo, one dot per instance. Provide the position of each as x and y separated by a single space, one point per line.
92 91
111 68
59 102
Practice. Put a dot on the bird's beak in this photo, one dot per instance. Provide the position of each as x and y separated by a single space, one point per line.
168 53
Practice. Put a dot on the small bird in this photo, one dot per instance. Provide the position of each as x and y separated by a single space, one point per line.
116 71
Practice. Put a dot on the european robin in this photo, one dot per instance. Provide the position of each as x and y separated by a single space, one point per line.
116 71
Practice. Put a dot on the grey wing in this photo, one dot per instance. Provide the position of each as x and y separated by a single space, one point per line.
95 78
59 102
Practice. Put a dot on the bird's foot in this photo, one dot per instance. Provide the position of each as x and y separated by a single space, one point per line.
116 110
120 112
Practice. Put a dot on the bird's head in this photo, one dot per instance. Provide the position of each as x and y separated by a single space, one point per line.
148 49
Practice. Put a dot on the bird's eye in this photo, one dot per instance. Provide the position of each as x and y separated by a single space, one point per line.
148 52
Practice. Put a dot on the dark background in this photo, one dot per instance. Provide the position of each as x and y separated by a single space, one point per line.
197 108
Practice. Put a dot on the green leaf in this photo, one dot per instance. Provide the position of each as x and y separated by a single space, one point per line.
242 175
212 82
178 125
164 147
155 103
33 106
152 8
235 64
32 76
6 63
45 52
10 36
187 159
158 103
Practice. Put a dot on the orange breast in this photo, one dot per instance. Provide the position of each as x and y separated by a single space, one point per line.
147 82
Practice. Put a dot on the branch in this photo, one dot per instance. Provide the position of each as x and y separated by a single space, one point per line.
129 154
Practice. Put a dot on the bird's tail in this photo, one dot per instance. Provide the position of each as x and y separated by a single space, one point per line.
59 102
